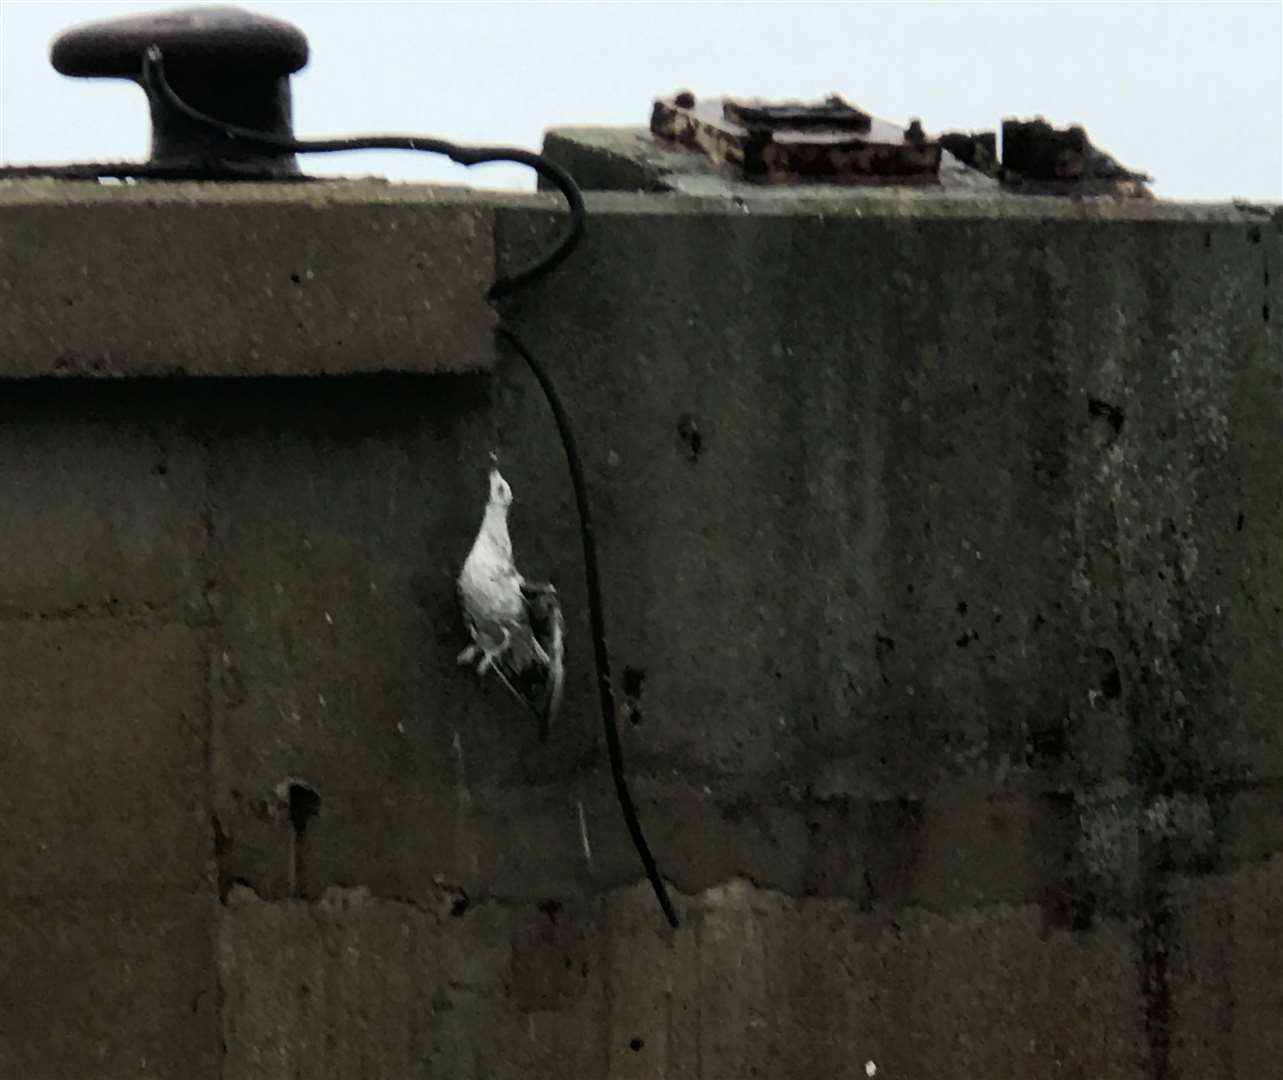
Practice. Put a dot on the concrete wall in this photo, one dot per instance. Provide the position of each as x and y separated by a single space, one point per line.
942 570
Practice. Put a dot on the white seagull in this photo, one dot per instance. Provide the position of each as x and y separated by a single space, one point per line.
516 626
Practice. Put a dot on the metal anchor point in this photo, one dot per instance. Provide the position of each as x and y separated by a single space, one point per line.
227 62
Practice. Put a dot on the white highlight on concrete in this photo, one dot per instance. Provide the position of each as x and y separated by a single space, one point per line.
583 833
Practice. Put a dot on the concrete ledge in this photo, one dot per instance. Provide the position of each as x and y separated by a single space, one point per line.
345 277
206 279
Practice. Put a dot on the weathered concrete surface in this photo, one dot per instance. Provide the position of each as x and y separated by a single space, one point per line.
103 783
341 513
987 562
986 521
279 279
944 591
111 989
104 496
1227 973
756 984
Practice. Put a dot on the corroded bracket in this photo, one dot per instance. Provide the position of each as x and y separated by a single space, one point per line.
830 142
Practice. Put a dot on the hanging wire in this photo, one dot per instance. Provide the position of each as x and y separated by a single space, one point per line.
156 85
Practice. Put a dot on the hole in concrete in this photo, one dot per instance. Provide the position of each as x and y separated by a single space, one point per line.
1238 525
551 908
692 438
883 647
1265 312
634 678
304 804
635 1043
294 277
1110 413
1047 747
458 906
962 607
1254 234
1111 681
633 683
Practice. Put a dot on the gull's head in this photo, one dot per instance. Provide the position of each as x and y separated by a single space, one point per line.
500 492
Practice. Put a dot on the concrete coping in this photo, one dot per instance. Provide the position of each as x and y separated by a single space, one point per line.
208 279
348 276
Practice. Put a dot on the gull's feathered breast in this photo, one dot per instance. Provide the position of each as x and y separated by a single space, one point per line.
517 628
490 583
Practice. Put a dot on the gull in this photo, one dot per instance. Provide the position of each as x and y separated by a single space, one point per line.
516 626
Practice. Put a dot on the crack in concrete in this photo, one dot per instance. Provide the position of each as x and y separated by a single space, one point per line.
220 841
127 612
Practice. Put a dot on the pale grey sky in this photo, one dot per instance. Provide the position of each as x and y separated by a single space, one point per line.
1189 92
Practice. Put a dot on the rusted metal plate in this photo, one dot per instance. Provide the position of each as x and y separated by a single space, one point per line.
832 114
791 142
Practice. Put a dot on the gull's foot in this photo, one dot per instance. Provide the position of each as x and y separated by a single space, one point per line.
487 661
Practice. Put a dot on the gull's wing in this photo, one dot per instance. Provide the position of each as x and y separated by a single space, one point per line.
549 628
533 666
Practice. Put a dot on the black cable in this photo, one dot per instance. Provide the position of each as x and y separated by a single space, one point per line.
155 83
595 612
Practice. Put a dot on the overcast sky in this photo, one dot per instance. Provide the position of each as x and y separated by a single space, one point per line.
1189 92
